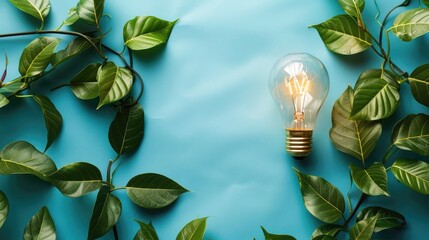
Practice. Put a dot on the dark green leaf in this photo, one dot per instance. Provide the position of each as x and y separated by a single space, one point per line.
72 17
269 236
321 198
74 48
426 2
84 85
37 56
77 179
12 86
363 229
40 227
36 8
114 83
327 230
146 232
386 218
194 230
413 173
384 74
411 24
152 190
353 7
419 83
3 101
90 11
324 237
143 32
4 208
341 34
412 134
374 99
126 130
23 158
354 137
53 119
371 181
107 210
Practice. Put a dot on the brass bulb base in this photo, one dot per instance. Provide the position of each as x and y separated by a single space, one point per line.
299 142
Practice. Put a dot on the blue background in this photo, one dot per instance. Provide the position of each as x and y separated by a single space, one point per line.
211 124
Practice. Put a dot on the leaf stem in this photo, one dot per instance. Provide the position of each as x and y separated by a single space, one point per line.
388 154
380 35
360 201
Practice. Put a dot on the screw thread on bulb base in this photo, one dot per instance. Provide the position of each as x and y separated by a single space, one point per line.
299 142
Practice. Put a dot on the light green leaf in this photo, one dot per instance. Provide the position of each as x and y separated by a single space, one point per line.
72 17
353 7
12 86
40 227
84 85
412 173
90 11
37 56
323 200
354 137
53 118
341 34
386 218
142 33
411 24
412 134
363 230
384 74
23 158
3 101
36 8
77 179
419 83
269 236
126 130
74 48
4 208
194 230
374 99
371 181
107 210
146 232
151 190
326 230
114 83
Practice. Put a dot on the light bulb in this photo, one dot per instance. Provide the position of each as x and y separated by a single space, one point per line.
299 84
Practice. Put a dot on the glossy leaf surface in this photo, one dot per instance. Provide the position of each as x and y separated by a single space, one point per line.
419 83
146 232
412 173
411 24
194 230
321 198
74 48
37 56
72 17
326 230
4 208
412 134
90 11
40 227
371 181
386 218
270 236
52 117
354 137
353 7
36 8
84 85
341 34
363 230
114 83
3 100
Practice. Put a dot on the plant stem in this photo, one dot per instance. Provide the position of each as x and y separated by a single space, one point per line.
360 201
380 35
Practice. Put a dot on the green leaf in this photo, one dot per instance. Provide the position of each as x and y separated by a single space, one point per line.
72 17
4 208
3 101
90 11
77 179
374 99
341 34
324 237
36 8
411 24
107 210
40 227
23 158
269 236
194 230
354 137
151 190
146 232
384 74
142 33
84 85
12 86
386 218
323 200
412 173
37 56
74 48
353 7
53 118
419 83
371 181
363 230
114 83
426 2
126 130
412 134
326 230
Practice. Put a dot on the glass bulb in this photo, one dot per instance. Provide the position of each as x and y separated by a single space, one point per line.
299 84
